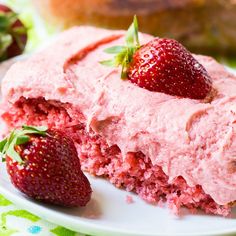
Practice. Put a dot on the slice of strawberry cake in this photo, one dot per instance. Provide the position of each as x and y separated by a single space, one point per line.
167 133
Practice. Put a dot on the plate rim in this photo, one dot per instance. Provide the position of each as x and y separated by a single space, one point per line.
84 226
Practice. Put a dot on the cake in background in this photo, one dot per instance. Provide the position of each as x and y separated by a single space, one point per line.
203 26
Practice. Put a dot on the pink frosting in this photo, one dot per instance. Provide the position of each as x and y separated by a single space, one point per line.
186 137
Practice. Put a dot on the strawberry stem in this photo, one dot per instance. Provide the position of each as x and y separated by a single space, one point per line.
18 137
123 55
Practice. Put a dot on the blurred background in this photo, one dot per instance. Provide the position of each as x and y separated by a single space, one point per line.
203 26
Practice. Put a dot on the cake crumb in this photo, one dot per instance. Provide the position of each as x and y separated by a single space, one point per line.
129 199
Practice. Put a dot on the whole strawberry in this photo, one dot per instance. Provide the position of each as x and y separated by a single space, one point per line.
44 165
13 34
162 65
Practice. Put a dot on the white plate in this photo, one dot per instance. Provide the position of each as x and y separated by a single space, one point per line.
108 213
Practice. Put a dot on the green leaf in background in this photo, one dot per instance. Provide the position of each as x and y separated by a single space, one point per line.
229 61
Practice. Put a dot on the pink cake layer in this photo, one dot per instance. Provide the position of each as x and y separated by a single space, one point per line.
160 146
134 172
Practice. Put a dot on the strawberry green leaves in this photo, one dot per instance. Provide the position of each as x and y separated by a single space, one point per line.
131 38
123 54
115 49
18 137
38 129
